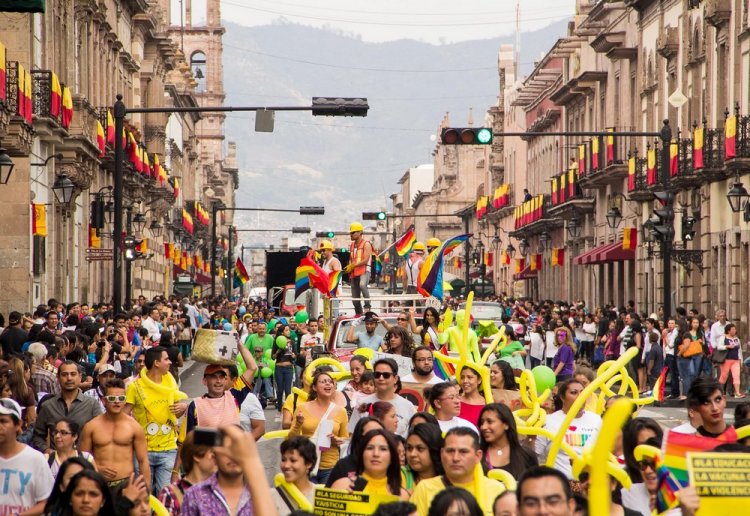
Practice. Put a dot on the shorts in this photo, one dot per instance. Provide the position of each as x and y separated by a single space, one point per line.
115 484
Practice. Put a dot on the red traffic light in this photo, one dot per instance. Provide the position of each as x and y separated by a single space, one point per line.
450 136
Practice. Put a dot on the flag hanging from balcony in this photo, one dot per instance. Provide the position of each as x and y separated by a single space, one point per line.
698 147
146 164
488 259
100 141
240 274
558 257
631 173
554 191
55 105
582 159
183 261
157 170
561 194
730 138
3 74
595 153
94 241
502 196
67 107
177 189
187 221
536 262
539 206
29 111
629 239
406 241
571 183
142 246
674 150
168 250
651 166
482 206
176 255
610 147
504 258
21 92
198 262
38 220
520 264
110 129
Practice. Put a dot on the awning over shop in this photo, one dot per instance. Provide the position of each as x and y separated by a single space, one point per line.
583 259
605 253
525 274
202 279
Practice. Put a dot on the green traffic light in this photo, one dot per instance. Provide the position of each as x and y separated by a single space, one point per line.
381 215
484 135
330 234
343 249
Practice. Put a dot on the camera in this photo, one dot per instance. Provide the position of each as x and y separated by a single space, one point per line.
206 436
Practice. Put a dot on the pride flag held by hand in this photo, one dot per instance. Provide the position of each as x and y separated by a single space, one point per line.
406 241
310 274
430 280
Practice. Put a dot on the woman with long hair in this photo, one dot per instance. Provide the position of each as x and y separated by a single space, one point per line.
472 399
635 432
65 435
68 469
455 501
502 376
564 362
87 494
537 344
429 331
397 341
378 467
23 393
499 441
514 352
309 418
423 452
583 427
347 466
422 417
298 457
446 403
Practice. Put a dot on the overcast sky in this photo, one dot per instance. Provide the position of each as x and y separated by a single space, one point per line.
434 21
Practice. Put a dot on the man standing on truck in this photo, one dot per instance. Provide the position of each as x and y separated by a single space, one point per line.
358 268
330 262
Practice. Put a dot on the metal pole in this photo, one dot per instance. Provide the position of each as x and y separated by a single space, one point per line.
230 266
666 243
128 264
119 113
394 263
466 254
214 212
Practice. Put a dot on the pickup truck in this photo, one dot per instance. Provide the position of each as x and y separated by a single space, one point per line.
337 345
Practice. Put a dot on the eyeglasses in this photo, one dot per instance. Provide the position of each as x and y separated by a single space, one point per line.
325 382
61 432
382 374
645 464
112 399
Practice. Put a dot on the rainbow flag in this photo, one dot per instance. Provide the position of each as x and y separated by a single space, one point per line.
430 280
334 281
443 371
676 447
666 494
406 241
240 274
302 279
310 274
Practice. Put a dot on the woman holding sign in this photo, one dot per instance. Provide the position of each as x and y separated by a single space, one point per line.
378 468
324 422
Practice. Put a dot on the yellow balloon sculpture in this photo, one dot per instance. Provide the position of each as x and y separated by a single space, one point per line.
301 500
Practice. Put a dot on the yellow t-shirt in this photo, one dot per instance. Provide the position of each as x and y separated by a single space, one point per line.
161 429
310 423
428 489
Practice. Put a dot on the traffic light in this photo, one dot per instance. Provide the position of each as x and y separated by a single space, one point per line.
325 234
97 213
343 250
688 233
339 106
130 252
302 230
466 136
663 218
312 210
374 215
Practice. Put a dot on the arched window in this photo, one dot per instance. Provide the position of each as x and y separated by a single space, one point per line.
198 66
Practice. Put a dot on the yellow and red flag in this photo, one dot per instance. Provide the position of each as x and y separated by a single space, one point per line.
146 164
177 189
536 262
730 138
504 258
100 140
38 220
651 167
110 129
582 159
55 105
629 238
3 73
29 111
610 147
95 242
631 173
520 264
187 221
698 147
67 107
595 153
571 183
168 250
554 191
561 194
21 92
482 206
558 257
176 255
142 246
674 150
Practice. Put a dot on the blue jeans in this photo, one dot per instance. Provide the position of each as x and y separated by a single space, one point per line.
161 463
674 375
535 362
284 377
263 384
322 476
687 373
700 366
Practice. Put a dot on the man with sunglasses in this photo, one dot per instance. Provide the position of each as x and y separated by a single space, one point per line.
115 439
385 371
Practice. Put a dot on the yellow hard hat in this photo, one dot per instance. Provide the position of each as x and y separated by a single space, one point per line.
433 242
355 226
325 244
418 246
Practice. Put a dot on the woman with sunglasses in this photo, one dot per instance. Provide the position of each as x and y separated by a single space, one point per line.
65 435
499 442
429 331
564 362
323 422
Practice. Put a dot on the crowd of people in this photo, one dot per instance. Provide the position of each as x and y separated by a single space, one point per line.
93 421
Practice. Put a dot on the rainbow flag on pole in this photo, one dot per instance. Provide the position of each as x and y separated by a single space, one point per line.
240 274
406 241
430 280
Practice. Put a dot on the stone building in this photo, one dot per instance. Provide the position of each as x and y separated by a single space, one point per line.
79 54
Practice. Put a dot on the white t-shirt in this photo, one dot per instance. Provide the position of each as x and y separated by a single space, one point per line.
717 332
589 330
310 340
27 480
412 379
404 411
671 338
581 433
551 348
251 409
152 327
537 346
456 422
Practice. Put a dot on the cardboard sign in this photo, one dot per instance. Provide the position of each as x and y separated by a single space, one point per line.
215 347
332 502
404 363
722 480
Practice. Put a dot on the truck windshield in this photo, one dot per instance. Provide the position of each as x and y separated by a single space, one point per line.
344 328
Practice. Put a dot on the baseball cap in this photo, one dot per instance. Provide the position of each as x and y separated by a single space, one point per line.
106 369
212 369
371 317
9 407
14 317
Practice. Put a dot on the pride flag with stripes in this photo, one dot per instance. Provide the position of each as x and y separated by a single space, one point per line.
430 279
406 241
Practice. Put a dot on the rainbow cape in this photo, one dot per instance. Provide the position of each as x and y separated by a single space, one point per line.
430 279
310 274
443 370
676 447
406 241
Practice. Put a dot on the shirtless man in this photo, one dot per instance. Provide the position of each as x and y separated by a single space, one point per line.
114 450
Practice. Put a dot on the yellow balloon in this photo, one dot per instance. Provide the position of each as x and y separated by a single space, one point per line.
743 432
341 374
301 500
157 506
276 434
365 352
503 476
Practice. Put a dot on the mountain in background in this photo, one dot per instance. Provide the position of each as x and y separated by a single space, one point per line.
348 165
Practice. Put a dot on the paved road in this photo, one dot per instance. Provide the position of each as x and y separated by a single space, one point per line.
191 378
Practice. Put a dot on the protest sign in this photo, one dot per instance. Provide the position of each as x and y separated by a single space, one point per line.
404 363
722 480
333 502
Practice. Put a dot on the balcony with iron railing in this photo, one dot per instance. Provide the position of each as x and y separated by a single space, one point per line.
532 217
608 165
567 196
642 180
740 161
47 104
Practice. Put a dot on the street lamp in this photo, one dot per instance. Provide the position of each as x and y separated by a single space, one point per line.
737 195
156 228
6 167
496 242
510 250
544 241
614 217
63 189
574 227
524 247
139 222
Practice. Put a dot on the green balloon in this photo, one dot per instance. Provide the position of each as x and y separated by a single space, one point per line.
301 317
266 372
271 325
545 378
281 342
271 364
268 354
